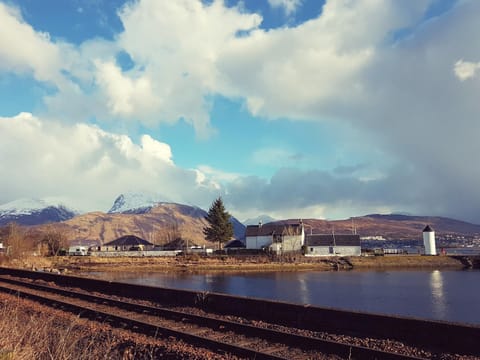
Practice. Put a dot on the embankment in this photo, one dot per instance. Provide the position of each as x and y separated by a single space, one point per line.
256 263
197 263
406 261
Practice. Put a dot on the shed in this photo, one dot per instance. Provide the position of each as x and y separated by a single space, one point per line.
332 244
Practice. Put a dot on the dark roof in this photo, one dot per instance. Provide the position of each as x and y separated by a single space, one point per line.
128 240
332 240
428 229
273 229
234 244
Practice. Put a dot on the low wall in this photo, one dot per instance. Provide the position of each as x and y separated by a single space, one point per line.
150 253
448 337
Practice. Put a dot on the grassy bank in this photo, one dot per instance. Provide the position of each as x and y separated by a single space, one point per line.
405 261
253 263
189 264
195 263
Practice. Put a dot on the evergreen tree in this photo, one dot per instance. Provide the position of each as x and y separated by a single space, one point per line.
220 228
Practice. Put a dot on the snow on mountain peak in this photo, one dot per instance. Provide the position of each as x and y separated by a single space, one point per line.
133 202
26 206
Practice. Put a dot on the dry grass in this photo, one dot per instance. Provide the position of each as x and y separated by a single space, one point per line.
29 335
405 261
191 263
32 331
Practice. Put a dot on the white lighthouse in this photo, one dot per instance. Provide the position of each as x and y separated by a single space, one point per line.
429 241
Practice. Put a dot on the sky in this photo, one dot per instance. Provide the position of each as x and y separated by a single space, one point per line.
289 108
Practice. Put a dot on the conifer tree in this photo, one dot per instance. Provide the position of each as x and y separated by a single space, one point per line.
220 228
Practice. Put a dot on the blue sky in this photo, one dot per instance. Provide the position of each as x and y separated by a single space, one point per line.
291 108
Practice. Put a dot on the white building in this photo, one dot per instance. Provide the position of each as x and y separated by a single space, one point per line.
276 237
332 245
429 241
77 250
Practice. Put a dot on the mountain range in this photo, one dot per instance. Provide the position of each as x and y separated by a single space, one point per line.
144 215
34 212
392 226
153 218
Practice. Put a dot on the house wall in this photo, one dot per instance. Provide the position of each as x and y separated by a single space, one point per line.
292 243
258 242
121 247
337 250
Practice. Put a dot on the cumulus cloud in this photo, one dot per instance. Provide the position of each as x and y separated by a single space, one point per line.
88 166
397 89
181 62
301 72
465 70
26 51
352 64
126 96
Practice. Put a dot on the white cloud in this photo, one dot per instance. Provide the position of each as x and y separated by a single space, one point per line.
126 96
289 6
351 64
302 72
180 59
88 166
465 70
25 51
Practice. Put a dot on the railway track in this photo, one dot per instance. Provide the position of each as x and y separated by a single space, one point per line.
219 335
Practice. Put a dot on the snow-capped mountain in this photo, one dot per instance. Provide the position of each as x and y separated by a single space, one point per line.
34 212
136 203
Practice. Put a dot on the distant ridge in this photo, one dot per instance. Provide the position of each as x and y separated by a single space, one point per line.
394 226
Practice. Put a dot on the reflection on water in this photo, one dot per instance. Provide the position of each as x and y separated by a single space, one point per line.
303 290
442 295
439 301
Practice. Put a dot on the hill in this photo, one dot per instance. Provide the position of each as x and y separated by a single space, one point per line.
393 227
159 224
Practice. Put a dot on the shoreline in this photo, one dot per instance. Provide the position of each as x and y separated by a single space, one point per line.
192 264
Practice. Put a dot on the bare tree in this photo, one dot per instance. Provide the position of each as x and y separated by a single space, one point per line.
55 240
167 234
16 242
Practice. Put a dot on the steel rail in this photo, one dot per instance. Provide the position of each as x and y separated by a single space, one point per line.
285 338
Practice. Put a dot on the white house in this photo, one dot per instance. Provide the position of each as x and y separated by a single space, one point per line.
332 245
277 237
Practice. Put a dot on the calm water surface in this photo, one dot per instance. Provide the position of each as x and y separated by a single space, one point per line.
441 295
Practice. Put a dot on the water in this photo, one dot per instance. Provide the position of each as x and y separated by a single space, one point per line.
449 295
